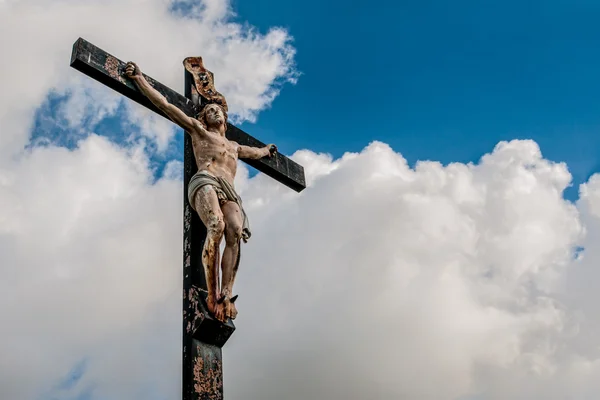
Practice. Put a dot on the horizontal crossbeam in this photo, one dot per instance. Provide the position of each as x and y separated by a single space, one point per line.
109 70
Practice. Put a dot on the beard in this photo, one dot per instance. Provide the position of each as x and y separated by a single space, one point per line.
214 121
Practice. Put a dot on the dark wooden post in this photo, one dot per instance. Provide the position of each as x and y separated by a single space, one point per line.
203 336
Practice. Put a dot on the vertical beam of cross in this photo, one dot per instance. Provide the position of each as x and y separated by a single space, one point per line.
203 336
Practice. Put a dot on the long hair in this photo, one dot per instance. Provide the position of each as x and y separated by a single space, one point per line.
202 114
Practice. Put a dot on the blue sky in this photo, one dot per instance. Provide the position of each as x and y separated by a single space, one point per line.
438 80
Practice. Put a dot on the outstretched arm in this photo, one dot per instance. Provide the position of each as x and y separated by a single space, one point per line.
256 152
132 71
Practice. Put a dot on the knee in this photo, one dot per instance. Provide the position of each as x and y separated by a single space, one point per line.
216 226
233 234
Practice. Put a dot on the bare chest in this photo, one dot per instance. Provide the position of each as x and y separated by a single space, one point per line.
216 148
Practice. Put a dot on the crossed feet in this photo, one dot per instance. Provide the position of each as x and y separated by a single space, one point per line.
222 308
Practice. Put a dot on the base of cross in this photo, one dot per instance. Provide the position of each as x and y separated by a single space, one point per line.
204 337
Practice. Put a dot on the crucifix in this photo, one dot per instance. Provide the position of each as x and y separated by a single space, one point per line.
212 209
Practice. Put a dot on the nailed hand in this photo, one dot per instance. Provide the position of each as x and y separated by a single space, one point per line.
132 70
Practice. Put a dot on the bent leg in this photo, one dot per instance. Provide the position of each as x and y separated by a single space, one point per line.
206 204
231 254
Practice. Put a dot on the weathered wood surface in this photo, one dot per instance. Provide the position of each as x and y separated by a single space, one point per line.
203 336
107 69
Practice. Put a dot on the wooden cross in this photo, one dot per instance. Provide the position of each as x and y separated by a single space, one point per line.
203 336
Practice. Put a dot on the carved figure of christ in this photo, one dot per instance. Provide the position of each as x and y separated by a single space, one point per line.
216 158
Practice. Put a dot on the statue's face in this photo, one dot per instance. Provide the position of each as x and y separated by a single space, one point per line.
214 115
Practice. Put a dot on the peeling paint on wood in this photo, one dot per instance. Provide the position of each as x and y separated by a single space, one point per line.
207 372
112 67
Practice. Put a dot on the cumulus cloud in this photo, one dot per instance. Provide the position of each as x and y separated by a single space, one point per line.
432 282
380 280
80 262
425 283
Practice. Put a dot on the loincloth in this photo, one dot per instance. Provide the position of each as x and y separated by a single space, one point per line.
225 192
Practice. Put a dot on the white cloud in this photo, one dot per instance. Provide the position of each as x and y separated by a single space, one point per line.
378 281
424 284
431 282
80 260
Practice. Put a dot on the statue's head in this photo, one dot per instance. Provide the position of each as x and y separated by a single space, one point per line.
213 115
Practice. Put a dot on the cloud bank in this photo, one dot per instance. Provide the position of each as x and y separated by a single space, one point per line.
382 281
438 282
